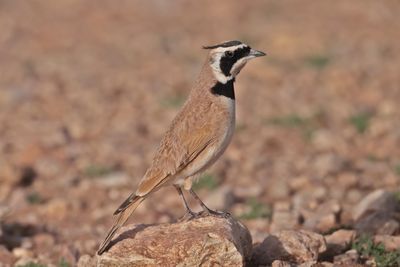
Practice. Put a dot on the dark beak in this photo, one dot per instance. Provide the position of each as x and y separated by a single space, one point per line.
255 53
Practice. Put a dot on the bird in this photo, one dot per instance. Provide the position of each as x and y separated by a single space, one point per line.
197 136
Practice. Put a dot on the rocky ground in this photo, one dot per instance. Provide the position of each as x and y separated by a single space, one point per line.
88 88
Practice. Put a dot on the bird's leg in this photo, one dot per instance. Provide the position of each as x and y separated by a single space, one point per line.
189 213
206 209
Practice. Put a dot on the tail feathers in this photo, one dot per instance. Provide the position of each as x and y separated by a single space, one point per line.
123 212
132 198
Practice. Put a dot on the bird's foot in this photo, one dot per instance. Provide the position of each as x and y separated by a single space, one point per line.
216 213
189 215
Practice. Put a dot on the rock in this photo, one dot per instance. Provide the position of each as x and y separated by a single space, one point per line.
327 163
338 242
378 222
278 263
22 253
6 257
44 240
283 217
348 179
292 246
375 201
324 140
298 183
205 240
350 258
86 261
390 242
378 213
324 218
56 209
278 189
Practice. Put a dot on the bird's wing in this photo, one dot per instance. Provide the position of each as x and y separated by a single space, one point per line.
177 150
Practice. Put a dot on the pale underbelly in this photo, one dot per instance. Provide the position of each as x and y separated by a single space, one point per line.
210 155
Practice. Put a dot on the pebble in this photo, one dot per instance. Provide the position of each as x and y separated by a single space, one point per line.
22 253
347 259
390 242
339 241
289 245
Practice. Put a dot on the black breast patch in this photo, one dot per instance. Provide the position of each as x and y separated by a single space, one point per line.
224 89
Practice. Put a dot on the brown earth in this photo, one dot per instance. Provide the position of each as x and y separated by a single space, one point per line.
87 89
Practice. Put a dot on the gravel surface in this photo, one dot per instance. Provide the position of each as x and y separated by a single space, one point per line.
87 89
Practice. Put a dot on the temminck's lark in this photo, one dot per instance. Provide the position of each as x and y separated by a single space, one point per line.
198 135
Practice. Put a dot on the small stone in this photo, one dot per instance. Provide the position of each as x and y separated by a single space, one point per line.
278 189
86 261
390 227
338 242
26 243
324 218
6 257
347 179
347 259
327 163
377 200
391 243
378 222
283 217
43 240
22 253
377 214
298 183
324 140
292 246
56 209
278 263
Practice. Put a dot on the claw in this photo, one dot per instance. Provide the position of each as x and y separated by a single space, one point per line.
216 213
189 215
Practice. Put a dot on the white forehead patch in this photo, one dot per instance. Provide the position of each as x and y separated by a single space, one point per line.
230 48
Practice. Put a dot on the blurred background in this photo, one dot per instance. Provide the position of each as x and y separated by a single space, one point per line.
87 89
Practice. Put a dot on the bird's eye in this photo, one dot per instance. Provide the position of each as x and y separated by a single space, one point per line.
229 53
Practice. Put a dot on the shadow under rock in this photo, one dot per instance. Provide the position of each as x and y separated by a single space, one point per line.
269 250
12 234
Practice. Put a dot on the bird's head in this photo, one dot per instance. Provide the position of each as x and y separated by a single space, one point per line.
228 58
